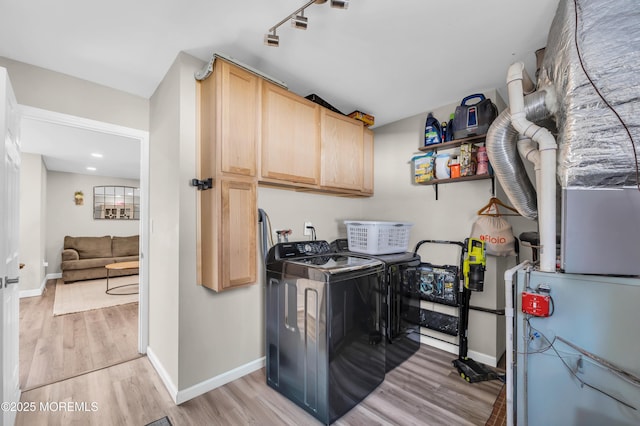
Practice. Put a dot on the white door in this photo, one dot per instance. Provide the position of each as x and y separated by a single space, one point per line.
9 267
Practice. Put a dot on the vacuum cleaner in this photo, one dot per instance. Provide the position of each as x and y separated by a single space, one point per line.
474 263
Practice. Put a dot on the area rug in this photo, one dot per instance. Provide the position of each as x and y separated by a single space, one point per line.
87 295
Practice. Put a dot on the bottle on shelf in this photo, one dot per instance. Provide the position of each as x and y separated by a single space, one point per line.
445 132
450 128
432 131
483 161
455 168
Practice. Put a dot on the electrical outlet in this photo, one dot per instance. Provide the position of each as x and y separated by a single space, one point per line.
307 231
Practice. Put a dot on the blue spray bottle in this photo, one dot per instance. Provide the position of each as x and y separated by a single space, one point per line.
432 131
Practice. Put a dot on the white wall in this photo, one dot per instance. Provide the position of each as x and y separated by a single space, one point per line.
397 198
164 206
33 186
64 217
53 91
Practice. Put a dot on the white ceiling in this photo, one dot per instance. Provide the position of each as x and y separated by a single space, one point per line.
69 149
391 59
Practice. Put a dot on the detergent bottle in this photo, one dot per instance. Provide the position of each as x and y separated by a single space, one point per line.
432 131
450 128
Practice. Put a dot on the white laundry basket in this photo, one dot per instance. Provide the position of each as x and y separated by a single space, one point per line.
378 237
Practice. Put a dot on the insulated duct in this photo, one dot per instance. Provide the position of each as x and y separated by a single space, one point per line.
592 59
503 154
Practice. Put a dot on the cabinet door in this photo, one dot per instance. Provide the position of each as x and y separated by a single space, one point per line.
237 239
290 137
226 255
238 120
367 172
342 151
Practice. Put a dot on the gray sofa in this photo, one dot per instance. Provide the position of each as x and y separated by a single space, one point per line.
84 258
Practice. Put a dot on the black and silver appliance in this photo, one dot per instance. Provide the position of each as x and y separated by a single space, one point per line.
400 279
324 340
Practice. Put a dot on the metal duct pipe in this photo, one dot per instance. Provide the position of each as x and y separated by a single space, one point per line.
547 176
503 154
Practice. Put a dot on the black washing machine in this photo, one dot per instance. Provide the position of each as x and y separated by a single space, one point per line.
400 280
325 343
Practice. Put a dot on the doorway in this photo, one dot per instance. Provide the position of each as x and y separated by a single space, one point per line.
104 131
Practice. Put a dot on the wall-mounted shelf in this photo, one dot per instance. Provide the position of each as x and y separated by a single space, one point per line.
458 179
454 144
436 182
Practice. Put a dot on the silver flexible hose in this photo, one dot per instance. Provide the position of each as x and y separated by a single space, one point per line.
503 154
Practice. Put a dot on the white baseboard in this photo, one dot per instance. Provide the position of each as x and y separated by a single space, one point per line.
447 347
38 291
164 376
485 359
185 395
491 361
220 380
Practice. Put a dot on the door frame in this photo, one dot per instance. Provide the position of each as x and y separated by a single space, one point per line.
143 137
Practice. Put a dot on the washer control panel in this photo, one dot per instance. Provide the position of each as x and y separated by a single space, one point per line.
300 249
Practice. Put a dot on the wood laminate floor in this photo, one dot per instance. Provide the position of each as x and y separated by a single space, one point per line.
54 348
425 390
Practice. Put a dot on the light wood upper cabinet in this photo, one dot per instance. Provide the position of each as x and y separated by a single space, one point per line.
290 137
227 221
367 171
229 117
342 144
227 153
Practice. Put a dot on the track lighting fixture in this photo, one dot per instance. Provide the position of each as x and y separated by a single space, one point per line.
340 4
298 20
272 39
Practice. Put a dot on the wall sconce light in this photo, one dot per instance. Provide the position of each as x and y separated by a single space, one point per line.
78 197
298 20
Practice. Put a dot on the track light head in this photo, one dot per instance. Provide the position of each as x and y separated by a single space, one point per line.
299 21
272 40
340 4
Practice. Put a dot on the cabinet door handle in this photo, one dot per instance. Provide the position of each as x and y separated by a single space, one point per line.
8 281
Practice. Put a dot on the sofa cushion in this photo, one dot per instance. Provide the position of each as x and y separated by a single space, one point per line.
126 259
87 263
89 247
125 246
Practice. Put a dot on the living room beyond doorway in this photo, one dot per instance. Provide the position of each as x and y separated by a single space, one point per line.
61 344
55 348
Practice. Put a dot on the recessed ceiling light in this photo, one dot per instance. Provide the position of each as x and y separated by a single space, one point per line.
91 169
96 155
